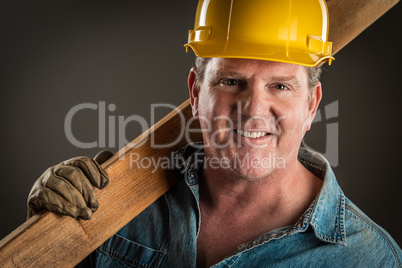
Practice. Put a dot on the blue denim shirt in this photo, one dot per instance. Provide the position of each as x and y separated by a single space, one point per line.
333 232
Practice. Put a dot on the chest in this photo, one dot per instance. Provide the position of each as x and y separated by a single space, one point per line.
214 245
220 237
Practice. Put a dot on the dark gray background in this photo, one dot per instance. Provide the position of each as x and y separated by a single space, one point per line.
57 54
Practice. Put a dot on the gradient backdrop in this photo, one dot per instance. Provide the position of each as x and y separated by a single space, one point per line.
58 54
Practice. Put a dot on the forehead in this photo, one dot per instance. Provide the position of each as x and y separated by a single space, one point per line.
255 68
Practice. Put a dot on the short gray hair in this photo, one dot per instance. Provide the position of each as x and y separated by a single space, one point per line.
313 73
200 66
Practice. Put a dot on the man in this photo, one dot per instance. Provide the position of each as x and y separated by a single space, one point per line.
268 203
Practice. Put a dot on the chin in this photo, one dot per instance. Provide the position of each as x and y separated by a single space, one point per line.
251 175
253 167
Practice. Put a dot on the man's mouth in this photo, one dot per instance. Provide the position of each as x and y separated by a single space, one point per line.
251 134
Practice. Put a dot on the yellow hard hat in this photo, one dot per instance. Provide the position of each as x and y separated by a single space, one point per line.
291 31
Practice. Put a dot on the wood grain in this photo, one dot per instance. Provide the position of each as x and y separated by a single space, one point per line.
348 18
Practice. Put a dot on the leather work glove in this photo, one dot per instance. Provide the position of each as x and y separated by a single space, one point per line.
68 188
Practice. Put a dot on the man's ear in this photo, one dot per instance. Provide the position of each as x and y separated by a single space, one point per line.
194 91
316 96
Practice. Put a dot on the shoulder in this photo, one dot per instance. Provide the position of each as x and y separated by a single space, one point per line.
368 240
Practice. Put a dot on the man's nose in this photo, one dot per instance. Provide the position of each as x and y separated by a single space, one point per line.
256 102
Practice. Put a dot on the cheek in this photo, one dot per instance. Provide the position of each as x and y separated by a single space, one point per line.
205 106
292 117
214 115
215 106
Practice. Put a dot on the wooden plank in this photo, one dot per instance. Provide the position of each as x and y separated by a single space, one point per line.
50 240
53 240
348 18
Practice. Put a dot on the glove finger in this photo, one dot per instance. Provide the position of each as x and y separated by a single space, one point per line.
45 198
65 190
102 156
74 186
92 170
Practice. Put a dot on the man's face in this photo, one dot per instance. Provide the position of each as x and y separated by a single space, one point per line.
253 113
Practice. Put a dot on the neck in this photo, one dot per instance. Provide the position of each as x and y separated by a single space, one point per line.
282 195
235 210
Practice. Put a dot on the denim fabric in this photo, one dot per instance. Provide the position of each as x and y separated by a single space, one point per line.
333 232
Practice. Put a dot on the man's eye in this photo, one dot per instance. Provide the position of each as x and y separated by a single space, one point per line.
230 82
281 87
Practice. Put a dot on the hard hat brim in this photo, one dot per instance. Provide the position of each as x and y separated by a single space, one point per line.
292 56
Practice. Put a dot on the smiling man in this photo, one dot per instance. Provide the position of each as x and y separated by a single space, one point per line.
258 200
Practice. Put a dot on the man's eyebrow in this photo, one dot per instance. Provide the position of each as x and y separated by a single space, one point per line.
220 73
291 79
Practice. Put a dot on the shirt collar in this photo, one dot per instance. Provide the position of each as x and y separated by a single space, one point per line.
326 215
189 161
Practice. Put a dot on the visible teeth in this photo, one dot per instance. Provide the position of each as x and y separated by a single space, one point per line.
252 135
